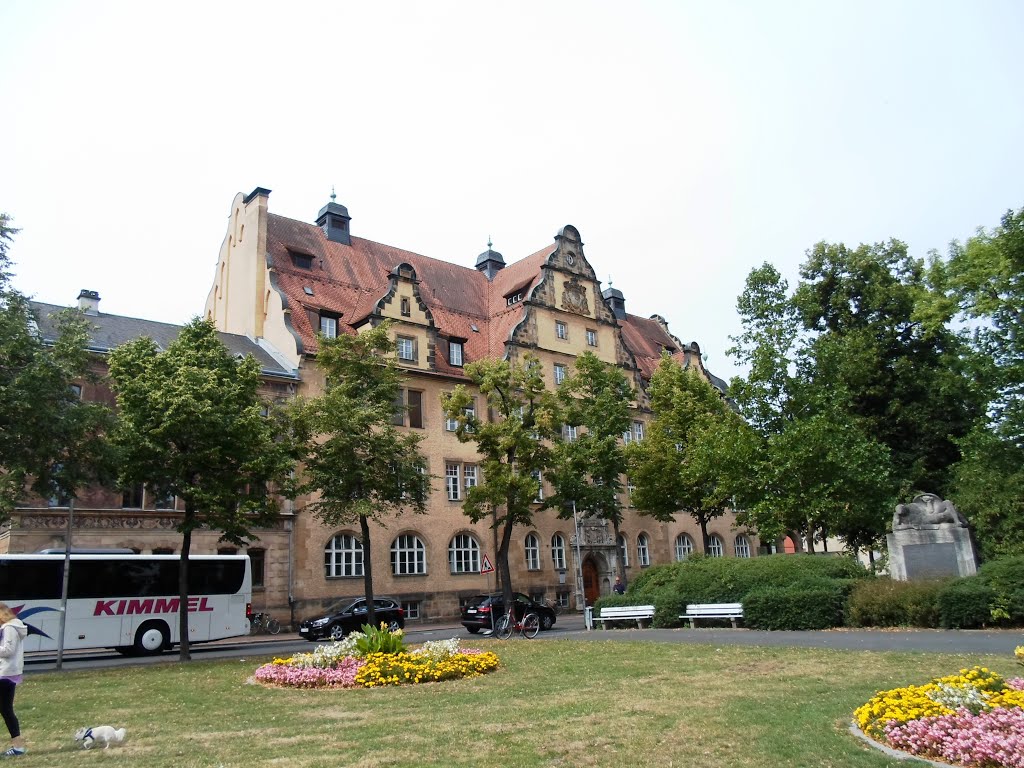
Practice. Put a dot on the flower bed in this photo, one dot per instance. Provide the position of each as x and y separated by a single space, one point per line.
376 658
974 718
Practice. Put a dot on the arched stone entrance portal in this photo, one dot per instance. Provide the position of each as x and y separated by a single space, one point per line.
591 581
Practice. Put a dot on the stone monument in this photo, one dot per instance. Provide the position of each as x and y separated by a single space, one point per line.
930 539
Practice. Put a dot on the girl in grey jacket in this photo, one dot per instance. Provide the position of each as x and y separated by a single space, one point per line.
12 662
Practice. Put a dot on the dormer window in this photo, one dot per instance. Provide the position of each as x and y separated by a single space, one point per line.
301 260
455 353
329 325
513 298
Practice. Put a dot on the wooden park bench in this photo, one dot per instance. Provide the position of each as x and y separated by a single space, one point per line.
730 611
638 613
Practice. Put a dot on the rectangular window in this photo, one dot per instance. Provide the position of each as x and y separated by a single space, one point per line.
257 562
469 475
559 373
638 431
405 307
561 331
569 434
406 349
591 337
301 260
329 326
451 424
451 479
455 353
408 409
132 498
412 609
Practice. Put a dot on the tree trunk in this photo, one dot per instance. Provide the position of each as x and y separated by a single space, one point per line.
705 539
186 547
810 538
621 564
503 569
364 529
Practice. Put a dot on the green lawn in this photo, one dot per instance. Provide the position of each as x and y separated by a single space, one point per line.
552 703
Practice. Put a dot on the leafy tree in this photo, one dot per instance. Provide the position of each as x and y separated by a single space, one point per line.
191 424
512 447
588 470
362 468
681 465
49 439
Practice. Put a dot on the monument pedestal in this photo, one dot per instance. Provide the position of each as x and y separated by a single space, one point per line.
931 552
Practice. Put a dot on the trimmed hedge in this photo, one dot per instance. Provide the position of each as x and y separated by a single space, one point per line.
699 579
796 607
966 604
883 602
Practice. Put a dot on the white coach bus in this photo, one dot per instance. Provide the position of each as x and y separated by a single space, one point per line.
127 602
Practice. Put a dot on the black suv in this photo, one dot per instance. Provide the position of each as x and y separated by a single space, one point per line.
480 611
350 616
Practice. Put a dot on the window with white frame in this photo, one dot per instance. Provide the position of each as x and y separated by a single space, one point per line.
561 330
406 348
715 546
464 554
532 549
535 474
741 546
630 490
408 556
455 353
591 337
684 547
643 550
451 481
569 433
469 477
559 373
558 552
329 326
343 556
412 609
451 424
638 431
623 550
513 298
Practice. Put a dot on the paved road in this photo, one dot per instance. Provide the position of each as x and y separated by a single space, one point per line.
999 642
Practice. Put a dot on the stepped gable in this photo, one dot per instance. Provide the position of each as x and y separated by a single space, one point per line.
521 276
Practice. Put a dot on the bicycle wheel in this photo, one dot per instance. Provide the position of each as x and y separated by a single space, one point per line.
273 626
254 624
503 629
531 625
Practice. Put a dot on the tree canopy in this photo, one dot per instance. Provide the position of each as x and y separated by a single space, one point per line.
191 423
359 465
513 446
49 439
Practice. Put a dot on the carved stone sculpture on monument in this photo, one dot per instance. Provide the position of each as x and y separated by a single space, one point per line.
927 509
930 539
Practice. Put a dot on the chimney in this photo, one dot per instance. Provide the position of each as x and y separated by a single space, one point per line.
333 219
89 302
615 300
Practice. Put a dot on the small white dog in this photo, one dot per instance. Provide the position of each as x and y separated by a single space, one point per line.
99 734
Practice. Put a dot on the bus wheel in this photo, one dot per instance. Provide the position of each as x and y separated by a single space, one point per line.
151 638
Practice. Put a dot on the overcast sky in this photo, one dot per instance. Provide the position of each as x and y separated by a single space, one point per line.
689 142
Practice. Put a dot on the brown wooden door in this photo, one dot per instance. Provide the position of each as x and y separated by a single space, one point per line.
591 586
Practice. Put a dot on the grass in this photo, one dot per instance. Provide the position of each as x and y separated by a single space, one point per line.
552 703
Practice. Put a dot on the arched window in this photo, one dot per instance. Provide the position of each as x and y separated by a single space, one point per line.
715 547
624 550
741 546
684 547
408 556
463 554
558 551
643 550
343 556
532 547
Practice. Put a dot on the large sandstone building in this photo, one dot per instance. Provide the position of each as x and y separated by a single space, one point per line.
280 283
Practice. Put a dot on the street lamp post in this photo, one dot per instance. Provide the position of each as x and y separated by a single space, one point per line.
580 596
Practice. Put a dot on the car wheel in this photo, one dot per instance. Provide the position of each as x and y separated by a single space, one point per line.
336 631
394 625
473 630
547 621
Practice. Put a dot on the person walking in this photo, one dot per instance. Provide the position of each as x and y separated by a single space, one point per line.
619 588
12 663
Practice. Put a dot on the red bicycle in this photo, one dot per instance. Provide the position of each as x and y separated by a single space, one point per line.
528 626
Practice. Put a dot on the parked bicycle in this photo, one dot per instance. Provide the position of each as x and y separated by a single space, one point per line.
263 622
528 626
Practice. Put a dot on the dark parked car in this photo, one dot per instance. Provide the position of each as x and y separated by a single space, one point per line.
478 611
350 616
